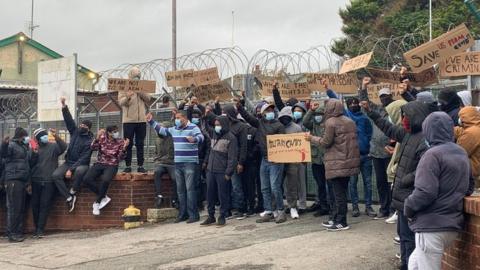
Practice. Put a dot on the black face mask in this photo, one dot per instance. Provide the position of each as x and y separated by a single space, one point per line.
386 100
285 120
83 130
354 108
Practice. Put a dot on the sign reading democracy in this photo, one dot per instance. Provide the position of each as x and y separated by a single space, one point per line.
461 65
117 84
428 54
288 148
355 63
341 83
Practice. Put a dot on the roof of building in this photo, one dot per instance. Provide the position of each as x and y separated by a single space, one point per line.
40 47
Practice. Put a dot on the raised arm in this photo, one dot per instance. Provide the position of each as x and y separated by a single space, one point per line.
277 98
252 120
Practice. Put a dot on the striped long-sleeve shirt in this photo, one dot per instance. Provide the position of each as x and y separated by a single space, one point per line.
185 151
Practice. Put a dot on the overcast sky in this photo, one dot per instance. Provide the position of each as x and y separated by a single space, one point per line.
107 33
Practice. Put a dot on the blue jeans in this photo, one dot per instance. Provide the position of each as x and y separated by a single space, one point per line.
187 190
271 175
238 198
366 170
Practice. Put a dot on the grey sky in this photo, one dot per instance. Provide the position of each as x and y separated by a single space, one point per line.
106 33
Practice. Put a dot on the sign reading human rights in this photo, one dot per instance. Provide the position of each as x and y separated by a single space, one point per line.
355 63
428 54
117 84
462 64
288 148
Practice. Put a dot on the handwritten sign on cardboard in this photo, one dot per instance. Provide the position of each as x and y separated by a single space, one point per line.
430 53
342 83
460 65
206 76
287 90
209 92
288 148
117 84
179 78
421 79
373 90
355 63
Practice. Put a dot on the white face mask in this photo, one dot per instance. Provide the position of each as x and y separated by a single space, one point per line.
116 135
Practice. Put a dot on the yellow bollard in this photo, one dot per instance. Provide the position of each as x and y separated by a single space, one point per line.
131 217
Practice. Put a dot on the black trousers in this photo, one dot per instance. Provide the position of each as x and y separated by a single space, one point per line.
340 188
103 172
407 239
15 207
249 177
58 177
325 196
135 132
255 166
383 187
160 170
41 202
218 187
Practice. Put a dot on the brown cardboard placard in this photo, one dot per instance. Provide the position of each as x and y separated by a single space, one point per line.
117 84
461 64
373 90
288 148
430 53
209 92
355 63
421 79
341 83
206 76
179 78
287 90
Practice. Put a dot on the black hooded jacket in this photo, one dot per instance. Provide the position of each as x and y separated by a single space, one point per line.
441 180
240 131
19 159
411 149
223 155
79 151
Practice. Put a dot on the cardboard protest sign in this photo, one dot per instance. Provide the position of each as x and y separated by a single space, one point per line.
428 54
460 65
355 63
424 78
117 84
179 78
287 90
206 76
288 148
373 90
209 92
341 83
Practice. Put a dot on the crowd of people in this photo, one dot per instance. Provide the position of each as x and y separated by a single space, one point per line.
425 154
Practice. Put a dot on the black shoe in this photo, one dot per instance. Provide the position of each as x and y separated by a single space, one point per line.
314 207
16 239
174 204
370 212
208 221
141 170
71 203
321 213
301 211
381 216
221 222
250 213
39 234
287 211
338 227
328 223
259 209
192 220
180 219
355 212
158 201
127 169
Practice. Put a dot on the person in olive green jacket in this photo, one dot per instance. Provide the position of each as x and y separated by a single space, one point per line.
314 121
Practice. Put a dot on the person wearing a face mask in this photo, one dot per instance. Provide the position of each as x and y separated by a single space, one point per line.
43 187
111 150
133 119
222 163
187 138
451 103
271 174
412 147
77 158
19 159
298 113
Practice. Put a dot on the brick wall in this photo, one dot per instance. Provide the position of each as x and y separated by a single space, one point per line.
464 254
120 189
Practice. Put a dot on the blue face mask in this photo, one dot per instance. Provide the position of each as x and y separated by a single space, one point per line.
178 123
44 139
297 115
218 129
196 121
270 116
318 118
26 140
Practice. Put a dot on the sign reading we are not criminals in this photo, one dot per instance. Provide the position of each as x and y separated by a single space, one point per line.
288 148
462 64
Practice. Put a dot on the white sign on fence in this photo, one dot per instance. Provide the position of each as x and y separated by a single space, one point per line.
56 78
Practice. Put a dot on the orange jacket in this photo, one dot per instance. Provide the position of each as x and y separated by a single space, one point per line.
468 136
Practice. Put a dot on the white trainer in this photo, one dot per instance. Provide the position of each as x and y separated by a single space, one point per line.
393 219
96 209
294 213
104 202
265 213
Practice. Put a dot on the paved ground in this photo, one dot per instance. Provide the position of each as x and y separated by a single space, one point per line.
300 244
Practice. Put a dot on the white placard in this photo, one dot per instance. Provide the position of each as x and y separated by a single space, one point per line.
56 78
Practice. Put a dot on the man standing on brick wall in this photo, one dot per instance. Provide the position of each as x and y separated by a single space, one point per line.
434 209
186 139
133 120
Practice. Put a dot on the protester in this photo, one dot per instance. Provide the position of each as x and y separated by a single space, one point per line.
435 206
293 171
315 122
77 158
467 136
111 150
298 112
164 164
342 158
222 163
43 187
450 102
133 119
270 173
411 150
277 99
19 159
251 175
186 139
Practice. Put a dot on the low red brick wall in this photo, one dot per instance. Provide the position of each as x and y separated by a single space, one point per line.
464 254
143 197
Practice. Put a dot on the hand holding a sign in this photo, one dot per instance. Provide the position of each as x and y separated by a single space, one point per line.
403 71
308 137
130 93
366 81
325 83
